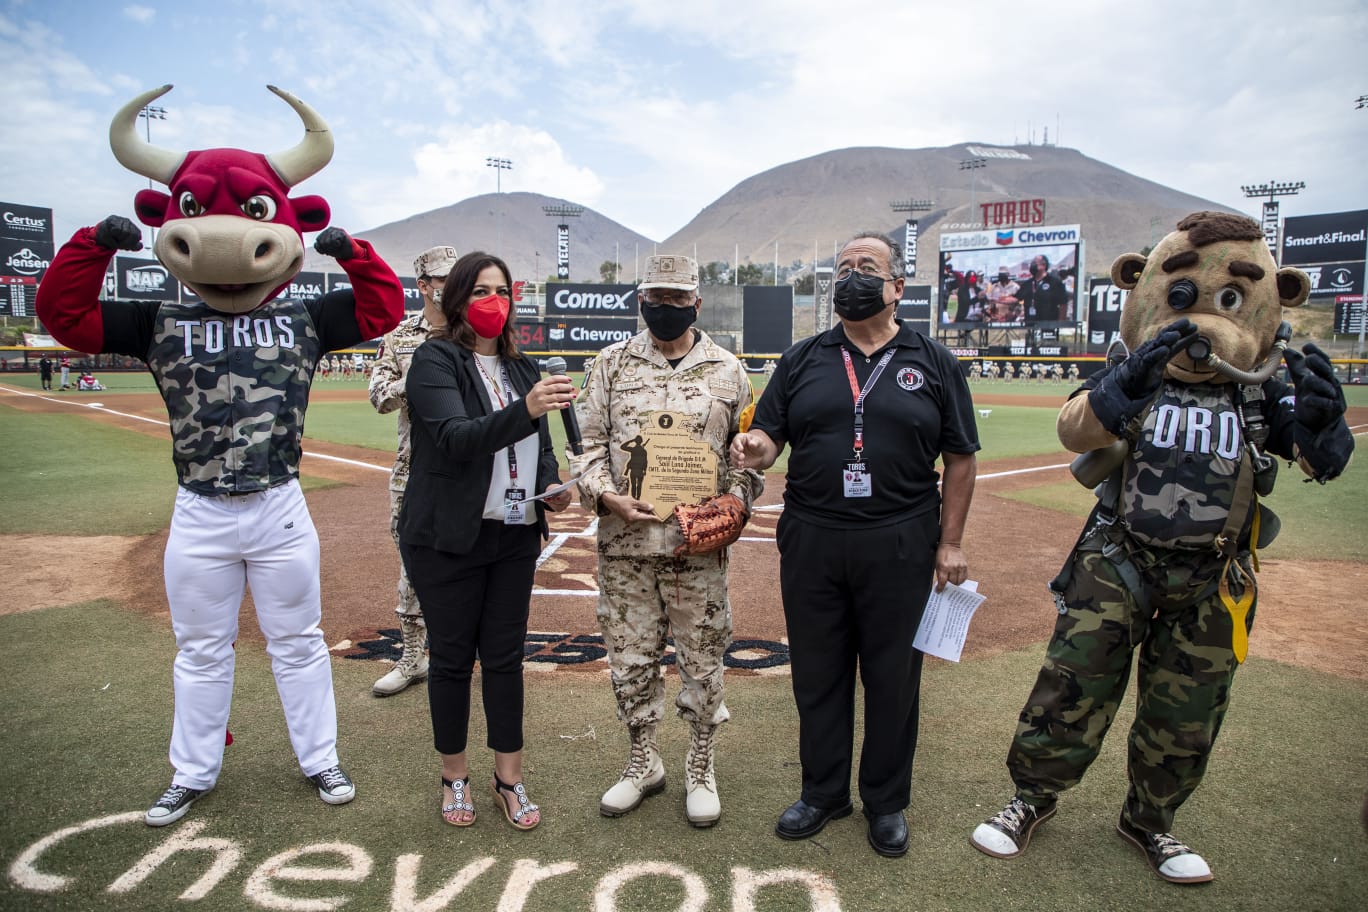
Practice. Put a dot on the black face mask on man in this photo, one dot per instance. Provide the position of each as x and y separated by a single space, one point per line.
667 322
859 296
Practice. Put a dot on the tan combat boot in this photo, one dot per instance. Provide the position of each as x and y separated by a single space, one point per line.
644 775
412 666
701 803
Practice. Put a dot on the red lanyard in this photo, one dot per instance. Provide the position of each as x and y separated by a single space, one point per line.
860 394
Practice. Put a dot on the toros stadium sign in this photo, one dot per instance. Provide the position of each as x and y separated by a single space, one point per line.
1013 212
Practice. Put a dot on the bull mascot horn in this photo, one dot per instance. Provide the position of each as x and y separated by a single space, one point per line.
293 165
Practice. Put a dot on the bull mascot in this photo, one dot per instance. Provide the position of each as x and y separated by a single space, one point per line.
234 366
1179 435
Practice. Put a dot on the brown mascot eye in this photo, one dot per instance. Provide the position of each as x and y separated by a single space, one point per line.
189 206
261 208
1229 298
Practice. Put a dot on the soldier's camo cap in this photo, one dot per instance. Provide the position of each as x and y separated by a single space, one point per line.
679 272
435 262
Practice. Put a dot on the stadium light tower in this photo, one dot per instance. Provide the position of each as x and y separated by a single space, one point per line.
564 213
912 207
1272 190
973 165
500 165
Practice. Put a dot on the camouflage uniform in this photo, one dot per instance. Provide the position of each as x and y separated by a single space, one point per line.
387 395
1144 578
643 587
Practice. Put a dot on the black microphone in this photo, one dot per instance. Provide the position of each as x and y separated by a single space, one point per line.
572 432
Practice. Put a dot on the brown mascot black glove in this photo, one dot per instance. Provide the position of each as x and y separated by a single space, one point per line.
710 525
1124 393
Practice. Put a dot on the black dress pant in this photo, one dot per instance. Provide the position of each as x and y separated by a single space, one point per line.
854 598
475 606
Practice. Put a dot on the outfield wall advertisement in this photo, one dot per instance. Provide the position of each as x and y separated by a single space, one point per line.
1329 238
26 251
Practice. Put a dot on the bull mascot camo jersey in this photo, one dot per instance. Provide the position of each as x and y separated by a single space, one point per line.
233 362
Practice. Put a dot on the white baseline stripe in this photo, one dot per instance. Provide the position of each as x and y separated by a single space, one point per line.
162 422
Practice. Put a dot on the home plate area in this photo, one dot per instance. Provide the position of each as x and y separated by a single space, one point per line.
562 630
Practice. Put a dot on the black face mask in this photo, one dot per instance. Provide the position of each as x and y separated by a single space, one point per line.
859 296
666 322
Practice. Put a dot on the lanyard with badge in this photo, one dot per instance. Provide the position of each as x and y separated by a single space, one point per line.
515 498
856 480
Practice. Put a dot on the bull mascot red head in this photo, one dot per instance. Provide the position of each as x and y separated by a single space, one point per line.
229 230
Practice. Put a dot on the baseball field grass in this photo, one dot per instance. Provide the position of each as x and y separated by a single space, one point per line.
87 695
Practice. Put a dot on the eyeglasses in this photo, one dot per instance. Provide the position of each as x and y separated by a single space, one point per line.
674 298
868 269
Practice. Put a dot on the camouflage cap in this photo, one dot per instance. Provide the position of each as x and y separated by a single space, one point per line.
679 272
435 262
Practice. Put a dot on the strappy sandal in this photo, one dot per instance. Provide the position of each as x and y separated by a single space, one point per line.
525 807
460 802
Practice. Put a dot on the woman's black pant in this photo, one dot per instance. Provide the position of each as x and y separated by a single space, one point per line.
475 606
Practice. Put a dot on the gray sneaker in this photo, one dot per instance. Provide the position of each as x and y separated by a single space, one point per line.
1007 833
172 805
334 786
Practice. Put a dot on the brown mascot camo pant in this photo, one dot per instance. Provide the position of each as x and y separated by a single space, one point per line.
1182 634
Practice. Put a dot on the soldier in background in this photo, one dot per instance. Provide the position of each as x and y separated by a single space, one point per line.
387 395
644 589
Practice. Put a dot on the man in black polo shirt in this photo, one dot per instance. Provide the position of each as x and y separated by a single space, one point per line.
867 408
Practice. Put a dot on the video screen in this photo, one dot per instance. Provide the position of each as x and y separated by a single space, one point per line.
1009 286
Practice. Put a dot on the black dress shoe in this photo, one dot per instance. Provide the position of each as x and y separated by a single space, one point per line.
888 833
802 820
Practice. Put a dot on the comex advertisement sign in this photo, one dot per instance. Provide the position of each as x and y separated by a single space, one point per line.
591 300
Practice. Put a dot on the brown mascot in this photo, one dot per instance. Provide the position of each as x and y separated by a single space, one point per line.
1179 436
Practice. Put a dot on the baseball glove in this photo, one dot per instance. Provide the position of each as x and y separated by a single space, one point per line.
710 525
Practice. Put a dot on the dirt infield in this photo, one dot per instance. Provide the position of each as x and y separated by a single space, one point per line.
1013 549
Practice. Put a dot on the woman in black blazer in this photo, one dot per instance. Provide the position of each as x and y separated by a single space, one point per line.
468 534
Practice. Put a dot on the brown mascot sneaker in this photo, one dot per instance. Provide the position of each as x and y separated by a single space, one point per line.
1171 859
1007 833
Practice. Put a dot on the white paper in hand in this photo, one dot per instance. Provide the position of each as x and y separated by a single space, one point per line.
945 624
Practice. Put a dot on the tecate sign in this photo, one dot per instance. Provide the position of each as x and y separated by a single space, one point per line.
981 240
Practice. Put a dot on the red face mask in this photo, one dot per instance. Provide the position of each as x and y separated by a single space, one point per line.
487 316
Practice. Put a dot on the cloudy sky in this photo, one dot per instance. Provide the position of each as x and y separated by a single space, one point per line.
647 111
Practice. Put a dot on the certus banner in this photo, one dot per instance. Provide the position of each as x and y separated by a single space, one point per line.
26 251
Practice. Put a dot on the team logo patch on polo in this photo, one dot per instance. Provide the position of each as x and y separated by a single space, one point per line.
909 378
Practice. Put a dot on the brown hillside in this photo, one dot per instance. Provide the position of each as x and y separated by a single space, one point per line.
809 206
